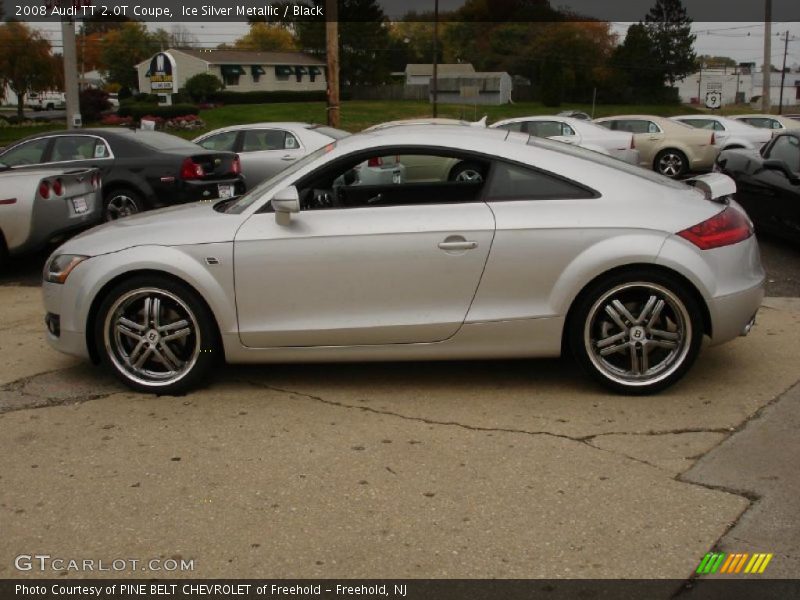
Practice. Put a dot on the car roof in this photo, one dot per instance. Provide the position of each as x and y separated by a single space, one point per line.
642 117
264 125
447 136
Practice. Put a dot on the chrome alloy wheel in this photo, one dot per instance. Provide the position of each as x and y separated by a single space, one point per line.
638 334
152 336
469 175
119 206
670 164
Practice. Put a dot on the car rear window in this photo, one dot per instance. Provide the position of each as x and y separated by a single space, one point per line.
163 141
605 160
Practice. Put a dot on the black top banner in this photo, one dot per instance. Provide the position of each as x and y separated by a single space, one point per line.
401 589
170 11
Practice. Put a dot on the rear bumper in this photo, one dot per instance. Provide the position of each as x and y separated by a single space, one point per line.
192 191
733 315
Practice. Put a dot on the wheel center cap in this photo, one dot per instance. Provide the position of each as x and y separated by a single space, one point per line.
637 333
152 336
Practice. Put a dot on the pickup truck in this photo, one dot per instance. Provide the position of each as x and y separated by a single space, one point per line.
46 100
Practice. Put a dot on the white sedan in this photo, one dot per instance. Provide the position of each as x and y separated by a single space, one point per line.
729 133
578 132
555 248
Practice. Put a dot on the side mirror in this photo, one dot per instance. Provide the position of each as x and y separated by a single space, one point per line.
774 164
284 203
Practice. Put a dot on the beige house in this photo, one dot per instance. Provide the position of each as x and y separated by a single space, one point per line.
239 70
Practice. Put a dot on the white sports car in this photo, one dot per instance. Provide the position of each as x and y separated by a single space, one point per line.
554 248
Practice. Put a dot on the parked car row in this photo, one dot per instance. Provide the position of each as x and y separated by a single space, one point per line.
141 170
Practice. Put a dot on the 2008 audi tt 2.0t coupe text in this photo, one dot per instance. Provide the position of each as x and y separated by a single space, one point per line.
551 248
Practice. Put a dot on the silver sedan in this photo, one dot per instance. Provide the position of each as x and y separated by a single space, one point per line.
555 248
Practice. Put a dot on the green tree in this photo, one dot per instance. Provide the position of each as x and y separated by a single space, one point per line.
201 86
123 48
26 62
670 31
364 42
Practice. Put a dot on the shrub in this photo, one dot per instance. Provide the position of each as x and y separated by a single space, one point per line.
226 97
137 110
94 103
199 87
117 121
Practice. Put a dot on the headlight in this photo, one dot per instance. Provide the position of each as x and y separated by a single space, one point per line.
59 268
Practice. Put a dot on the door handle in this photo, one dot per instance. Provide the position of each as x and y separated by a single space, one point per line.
464 245
288 157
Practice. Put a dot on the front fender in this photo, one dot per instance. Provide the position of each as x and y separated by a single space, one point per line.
214 283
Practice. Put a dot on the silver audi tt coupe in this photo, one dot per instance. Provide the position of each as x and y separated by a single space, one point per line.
550 249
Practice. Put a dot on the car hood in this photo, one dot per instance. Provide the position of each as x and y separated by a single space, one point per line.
196 223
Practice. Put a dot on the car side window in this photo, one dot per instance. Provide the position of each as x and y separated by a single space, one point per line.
515 182
259 140
73 147
29 153
775 124
224 142
652 127
395 179
718 126
637 126
787 149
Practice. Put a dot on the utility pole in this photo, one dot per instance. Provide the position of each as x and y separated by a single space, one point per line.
332 55
435 80
783 71
70 73
766 70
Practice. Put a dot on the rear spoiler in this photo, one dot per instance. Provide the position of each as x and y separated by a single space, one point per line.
715 186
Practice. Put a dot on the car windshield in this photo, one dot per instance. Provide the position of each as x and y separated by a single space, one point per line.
258 192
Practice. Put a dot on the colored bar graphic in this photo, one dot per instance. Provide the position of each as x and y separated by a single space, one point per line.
732 564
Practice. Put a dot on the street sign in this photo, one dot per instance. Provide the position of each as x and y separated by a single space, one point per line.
713 99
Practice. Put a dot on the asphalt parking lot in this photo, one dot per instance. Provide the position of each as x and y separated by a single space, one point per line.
510 469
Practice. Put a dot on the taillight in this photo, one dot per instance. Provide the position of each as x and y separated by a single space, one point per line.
236 168
723 229
191 170
96 180
58 187
44 189
375 162
713 138
633 143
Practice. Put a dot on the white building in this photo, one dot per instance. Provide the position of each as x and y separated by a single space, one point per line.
239 70
737 85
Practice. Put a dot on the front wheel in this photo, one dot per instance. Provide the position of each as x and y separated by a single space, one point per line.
638 332
466 172
156 335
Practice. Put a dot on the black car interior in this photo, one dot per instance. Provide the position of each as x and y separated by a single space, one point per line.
340 186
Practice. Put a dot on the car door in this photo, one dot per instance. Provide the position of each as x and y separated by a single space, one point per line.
397 273
265 152
648 137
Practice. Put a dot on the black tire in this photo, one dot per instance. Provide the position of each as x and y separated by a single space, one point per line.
3 252
144 351
637 361
467 171
121 202
671 163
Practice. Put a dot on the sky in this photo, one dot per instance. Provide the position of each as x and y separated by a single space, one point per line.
742 41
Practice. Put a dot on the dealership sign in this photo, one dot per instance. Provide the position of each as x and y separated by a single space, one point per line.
162 73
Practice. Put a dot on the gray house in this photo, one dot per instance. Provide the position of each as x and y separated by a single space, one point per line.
475 88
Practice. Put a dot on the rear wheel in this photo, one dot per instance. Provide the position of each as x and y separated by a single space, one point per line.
121 202
636 332
156 335
671 163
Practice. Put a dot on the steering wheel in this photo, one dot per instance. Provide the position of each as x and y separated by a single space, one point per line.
324 198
